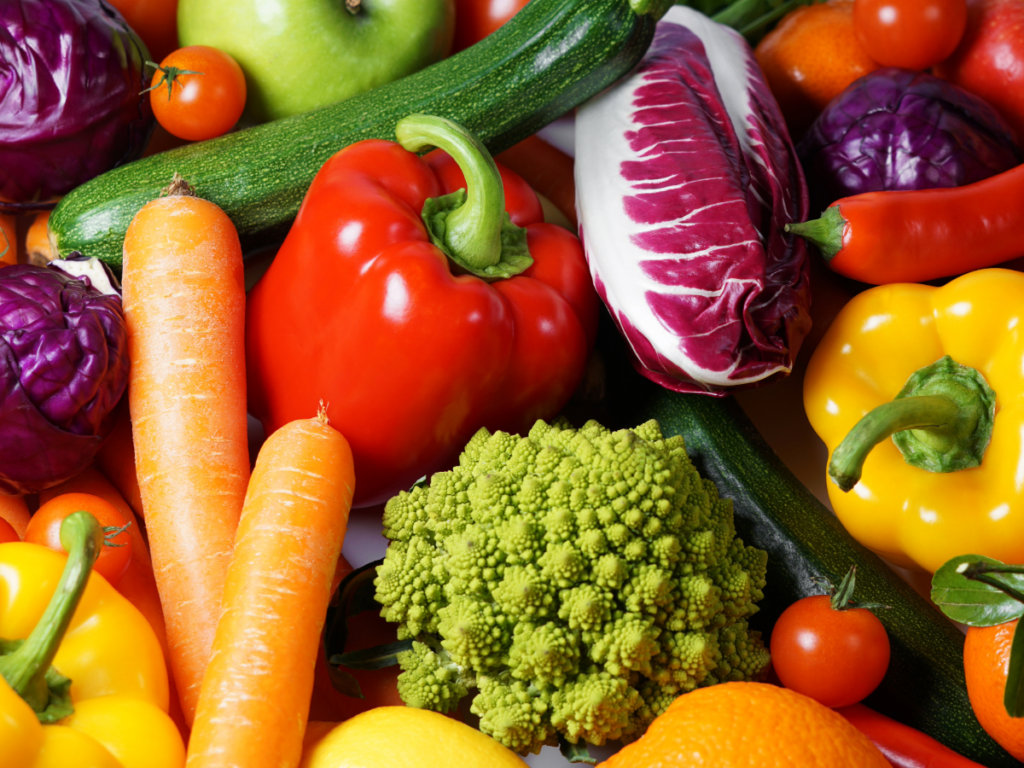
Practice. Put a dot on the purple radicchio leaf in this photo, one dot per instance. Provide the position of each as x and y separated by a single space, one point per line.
896 129
63 369
686 178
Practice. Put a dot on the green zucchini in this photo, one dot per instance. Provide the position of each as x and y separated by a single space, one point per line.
924 686
551 57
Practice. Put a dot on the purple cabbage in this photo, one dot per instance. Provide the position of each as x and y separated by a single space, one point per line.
63 369
71 75
899 129
686 178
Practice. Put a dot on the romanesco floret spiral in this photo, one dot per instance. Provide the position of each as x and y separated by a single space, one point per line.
574 581
515 713
545 654
595 707
430 679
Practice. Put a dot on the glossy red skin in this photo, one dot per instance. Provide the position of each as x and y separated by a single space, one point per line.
44 528
199 106
359 310
989 61
903 746
914 34
476 19
835 657
7 532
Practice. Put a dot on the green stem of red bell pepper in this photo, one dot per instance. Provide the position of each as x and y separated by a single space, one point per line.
28 667
470 226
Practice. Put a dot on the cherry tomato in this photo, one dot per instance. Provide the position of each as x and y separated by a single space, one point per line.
476 19
44 528
198 93
914 34
7 532
836 657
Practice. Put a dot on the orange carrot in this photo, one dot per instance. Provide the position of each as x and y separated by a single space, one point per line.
8 240
137 584
547 169
38 250
116 460
184 308
255 700
14 510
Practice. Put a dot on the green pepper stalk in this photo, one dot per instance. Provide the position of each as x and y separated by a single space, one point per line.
27 665
470 225
941 421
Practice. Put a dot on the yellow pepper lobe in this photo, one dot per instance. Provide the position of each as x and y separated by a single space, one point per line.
908 515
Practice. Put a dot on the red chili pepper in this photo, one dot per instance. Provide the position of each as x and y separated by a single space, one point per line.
903 746
411 349
896 237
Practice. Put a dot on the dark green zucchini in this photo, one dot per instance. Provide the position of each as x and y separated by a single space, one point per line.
924 686
551 57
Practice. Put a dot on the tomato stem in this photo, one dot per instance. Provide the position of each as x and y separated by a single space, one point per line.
841 597
168 75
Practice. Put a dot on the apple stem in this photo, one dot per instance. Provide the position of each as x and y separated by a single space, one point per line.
353 6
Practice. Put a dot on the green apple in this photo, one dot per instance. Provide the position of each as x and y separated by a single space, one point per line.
298 55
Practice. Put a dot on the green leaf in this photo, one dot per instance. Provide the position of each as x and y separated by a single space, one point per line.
344 682
354 596
377 657
973 602
1013 696
575 753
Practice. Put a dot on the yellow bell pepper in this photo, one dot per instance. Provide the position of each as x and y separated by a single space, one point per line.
943 486
87 687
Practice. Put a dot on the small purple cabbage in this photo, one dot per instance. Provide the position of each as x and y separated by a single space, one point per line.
896 129
71 77
685 180
63 369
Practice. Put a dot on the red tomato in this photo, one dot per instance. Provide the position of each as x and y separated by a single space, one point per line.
44 528
155 21
989 61
476 19
835 657
7 532
198 93
914 34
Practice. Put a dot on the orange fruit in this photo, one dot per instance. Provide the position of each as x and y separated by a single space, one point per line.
810 58
986 662
751 725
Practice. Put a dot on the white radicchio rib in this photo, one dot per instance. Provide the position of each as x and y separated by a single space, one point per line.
685 180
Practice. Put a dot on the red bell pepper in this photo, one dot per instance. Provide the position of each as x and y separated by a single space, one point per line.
903 746
416 339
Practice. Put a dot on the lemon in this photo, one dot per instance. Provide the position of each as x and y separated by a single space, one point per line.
402 737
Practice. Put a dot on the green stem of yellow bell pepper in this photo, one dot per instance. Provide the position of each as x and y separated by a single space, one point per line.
941 421
28 668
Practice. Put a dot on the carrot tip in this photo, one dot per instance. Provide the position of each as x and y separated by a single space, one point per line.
178 187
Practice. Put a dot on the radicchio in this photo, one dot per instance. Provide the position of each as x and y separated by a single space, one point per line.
686 177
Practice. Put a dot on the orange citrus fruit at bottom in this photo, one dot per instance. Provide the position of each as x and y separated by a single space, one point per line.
986 662
754 725
810 58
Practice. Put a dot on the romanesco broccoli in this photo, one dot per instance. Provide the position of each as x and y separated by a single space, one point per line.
577 580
